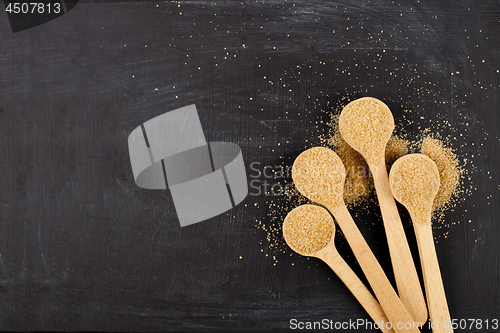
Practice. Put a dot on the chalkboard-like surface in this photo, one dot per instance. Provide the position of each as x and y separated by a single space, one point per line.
83 248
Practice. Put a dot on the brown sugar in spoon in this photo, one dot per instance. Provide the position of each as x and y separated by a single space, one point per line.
318 173
309 230
366 124
414 181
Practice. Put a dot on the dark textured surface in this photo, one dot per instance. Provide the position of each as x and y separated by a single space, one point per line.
83 248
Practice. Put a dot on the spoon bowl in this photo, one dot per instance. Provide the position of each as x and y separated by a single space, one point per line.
366 124
308 229
414 183
319 174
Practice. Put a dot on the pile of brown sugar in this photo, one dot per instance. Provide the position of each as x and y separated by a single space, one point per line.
358 184
449 171
396 147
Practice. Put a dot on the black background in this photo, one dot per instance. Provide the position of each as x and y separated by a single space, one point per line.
83 248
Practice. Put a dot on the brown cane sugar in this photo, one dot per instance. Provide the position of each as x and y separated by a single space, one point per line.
449 170
414 181
319 174
396 148
367 124
359 184
308 229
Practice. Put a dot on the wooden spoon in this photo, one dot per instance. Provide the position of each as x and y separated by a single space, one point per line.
366 124
414 182
310 231
318 173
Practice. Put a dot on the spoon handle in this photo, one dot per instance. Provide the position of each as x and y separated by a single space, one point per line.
330 256
389 300
434 289
403 265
